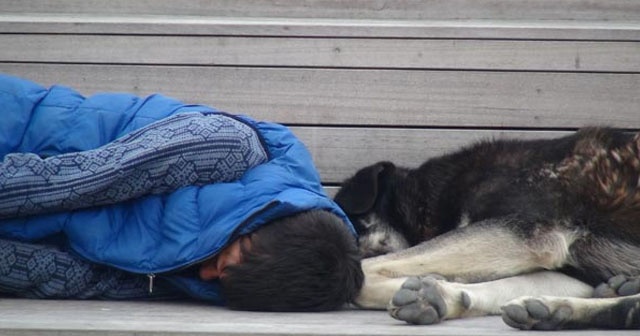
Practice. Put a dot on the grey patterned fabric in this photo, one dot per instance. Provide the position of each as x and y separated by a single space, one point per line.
185 149
47 272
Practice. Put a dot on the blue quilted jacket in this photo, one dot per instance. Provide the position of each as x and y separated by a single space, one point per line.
163 226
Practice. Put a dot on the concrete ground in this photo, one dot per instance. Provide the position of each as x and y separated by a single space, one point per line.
70 318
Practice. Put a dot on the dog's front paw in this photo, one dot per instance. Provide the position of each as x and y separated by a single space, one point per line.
418 302
536 313
619 285
427 300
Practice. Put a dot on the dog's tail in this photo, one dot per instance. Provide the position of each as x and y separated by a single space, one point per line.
608 177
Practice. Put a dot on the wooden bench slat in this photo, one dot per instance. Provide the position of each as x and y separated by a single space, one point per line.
339 152
361 9
304 52
126 318
320 27
372 97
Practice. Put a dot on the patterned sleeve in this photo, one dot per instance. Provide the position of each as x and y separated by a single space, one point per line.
182 150
39 271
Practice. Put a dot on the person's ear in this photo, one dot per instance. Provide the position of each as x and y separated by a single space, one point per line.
209 270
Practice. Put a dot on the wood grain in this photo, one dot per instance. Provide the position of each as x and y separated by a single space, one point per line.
574 56
360 9
530 28
121 318
371 97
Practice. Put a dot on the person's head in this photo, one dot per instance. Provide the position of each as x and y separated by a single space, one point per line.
305 262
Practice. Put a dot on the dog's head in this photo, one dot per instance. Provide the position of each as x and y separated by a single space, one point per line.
370 199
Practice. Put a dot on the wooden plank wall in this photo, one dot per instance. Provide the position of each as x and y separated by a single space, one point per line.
360 80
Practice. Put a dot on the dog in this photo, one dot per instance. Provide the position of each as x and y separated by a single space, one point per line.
525 229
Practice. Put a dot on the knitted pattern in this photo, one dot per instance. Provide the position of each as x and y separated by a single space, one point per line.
47 272
182 150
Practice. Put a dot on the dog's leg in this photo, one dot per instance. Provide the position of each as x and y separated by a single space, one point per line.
479 252
428 300
616 305
550 312
619 285
377 291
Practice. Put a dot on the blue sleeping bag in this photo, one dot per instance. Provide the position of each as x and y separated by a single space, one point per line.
146 185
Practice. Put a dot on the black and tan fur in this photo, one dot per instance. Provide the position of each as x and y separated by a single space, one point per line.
522 228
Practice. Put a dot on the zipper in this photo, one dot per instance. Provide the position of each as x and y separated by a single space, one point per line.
151 276
234 236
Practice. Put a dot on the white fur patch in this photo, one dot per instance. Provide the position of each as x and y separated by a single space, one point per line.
552 249
465 220
380 238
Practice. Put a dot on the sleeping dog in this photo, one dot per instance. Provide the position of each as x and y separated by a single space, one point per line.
525 229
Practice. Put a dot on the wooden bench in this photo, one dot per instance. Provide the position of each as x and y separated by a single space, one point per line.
359 81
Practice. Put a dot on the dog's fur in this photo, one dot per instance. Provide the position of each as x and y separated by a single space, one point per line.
493 219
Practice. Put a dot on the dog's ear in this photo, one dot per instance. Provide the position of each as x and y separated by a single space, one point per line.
358 194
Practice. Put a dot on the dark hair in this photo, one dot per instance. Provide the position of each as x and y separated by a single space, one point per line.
305 262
